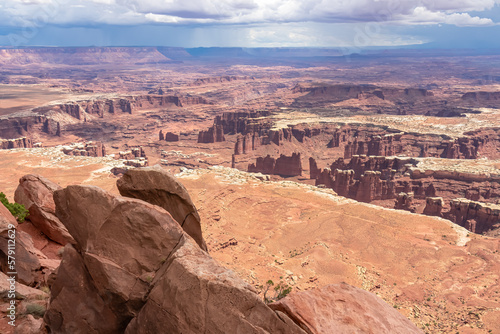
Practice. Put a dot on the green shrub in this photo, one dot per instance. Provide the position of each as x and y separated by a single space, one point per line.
35 310
281 290
17 210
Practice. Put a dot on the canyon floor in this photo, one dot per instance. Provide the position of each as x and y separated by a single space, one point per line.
377 130
439 275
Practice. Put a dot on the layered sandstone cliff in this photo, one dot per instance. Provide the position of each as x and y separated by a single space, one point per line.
90 149
214 134
475 216
22 142
284 165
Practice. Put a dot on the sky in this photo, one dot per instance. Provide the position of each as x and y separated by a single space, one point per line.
349 24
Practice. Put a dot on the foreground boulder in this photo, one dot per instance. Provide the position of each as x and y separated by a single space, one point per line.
342 308
194 294
21 246
134 269
156 186
36 193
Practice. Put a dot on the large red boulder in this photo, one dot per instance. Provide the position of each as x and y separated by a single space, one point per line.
194 294
342 308
36 193
134 269
19 245
156 186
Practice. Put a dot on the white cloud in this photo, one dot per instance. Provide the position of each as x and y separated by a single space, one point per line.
422 15
342 35
464 19
129 12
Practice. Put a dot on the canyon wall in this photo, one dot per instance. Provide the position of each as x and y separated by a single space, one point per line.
90 149
377 141
475 216
214 134
370 178
284 165
22 142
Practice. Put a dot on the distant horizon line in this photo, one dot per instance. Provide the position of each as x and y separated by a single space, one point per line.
419 47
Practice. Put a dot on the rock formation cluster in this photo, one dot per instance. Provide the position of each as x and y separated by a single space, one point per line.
373 178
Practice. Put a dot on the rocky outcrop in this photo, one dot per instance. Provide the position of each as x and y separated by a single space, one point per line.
369 187
301 132
90 149
247 143
20 245
433 206
334 92
369 178
342 308
263 165
81 109
52 127
342 180
387 166
142 102
156 186
244 122
97 108
133 153
386 145
288 166
481 96
134 270
193 294
221 79
18 127
36 194
171 137
22 142
280 136
485 141
417 173
135 157
139 162
314 171
372 178
284 165
214 134
157 91
75 304
475 216
317 95
381 141
404 201
30 325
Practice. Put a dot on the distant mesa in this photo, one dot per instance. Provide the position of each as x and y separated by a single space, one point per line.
82 56
221 79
